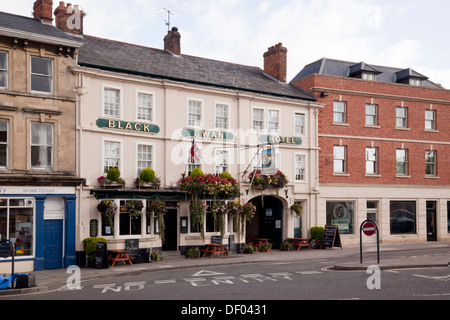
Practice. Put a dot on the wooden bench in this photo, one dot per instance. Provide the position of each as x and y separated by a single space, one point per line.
119 255
300 242
215 249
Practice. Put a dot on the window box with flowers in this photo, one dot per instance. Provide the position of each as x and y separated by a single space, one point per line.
148 179
112 179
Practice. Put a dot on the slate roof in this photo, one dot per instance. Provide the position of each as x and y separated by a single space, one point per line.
156 63
340 68
30 26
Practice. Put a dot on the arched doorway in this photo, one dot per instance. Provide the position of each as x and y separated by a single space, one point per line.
268 221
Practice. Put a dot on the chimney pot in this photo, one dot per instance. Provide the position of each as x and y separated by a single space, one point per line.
172 42
43 9
275 62
75 23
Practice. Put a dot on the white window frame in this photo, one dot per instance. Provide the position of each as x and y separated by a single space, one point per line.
433 164
6 143
303 114
6 71
120 142
373 116
259 120
51 76
200 124
152 111
431 121
277 131
343 160
405 162
152 146
296 167
343 113
371 164
225 158
112 87
52 146
404 118
216 104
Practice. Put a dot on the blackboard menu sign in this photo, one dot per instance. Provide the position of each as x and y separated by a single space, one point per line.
331 237
231 245
101 256
132 247
216 240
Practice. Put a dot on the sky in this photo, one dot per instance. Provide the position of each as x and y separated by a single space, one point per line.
395 33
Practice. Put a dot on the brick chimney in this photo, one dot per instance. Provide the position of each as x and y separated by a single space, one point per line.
275 62
172 42
69 19
42 9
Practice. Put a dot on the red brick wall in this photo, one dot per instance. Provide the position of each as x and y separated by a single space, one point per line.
356 136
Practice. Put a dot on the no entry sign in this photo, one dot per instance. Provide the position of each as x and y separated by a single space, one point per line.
369 228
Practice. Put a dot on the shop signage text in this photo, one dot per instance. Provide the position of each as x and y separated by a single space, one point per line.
200 133
281 140
127 126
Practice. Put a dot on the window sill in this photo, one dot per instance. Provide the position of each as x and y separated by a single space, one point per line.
340 124
431 177
402 128
341 175
373 175
372 126
402 176
431 130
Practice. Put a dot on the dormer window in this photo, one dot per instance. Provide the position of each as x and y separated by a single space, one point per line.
368 76
363 71
415 82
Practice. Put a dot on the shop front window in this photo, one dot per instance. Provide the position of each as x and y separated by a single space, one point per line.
16 224
128 224
403 217
341 214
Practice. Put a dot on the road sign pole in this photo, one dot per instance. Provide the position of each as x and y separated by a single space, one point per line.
369 232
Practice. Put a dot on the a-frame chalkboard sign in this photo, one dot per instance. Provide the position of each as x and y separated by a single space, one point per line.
331 237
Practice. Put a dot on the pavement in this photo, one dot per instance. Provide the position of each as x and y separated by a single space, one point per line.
49 280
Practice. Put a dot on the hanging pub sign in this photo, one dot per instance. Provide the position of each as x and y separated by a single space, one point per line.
127 126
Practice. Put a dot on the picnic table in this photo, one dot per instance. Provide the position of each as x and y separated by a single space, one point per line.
215 249
119 255
300 242
258 241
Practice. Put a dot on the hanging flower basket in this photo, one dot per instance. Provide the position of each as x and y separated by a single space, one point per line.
159 209
297 208
134 208
108 208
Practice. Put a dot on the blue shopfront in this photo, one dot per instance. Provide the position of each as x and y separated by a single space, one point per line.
41 224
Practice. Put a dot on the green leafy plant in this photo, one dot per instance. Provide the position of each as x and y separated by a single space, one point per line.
113 174
297 209
317 233
155 255
248 249
285 246
193 253
265 247
147 175
90 248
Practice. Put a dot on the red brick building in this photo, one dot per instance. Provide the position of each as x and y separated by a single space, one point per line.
384 138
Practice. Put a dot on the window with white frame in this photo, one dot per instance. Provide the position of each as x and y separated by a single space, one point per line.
430 163
145 107
401 120
195 113
258 119
222 114
221 161
300 164
299 124
111 102
273 121
41 74
41 145
430 120
3 69
16 224
339 112
144 157
111 155
340 159
402 161
371 160
371 114
4 143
